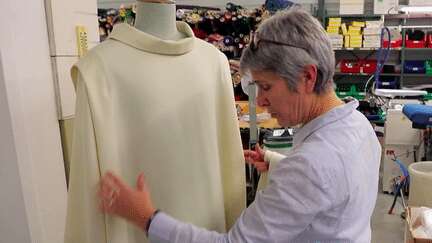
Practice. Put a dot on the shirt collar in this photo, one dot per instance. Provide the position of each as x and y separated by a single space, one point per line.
149 43
331 116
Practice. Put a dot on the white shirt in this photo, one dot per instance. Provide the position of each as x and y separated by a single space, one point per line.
323 191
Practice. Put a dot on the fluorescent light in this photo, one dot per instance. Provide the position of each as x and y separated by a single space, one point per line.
415 9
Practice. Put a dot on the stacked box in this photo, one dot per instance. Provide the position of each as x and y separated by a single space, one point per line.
333 28
346 40
334 25
353 37
355 41
372 34
344 29
358 24
372 41
336 40
335 21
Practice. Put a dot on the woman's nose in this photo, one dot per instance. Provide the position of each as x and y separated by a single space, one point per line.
262 100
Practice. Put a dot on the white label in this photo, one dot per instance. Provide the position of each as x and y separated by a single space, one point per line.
278 132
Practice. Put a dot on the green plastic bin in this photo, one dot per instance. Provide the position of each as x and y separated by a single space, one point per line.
429 67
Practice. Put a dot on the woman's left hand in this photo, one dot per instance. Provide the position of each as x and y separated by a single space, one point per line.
132 204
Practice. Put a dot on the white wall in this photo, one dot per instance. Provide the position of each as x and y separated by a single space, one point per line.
31 163
13 218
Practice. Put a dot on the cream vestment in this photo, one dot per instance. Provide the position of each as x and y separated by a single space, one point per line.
162 107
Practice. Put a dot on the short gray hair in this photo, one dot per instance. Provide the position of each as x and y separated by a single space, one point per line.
298 28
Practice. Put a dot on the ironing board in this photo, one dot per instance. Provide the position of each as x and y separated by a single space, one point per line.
420 115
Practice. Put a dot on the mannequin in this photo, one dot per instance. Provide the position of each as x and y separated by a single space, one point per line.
158 19
156 99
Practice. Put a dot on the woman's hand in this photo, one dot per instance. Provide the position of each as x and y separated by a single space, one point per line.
256 158
234 65
132 204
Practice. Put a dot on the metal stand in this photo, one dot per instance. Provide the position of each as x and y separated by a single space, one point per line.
253 140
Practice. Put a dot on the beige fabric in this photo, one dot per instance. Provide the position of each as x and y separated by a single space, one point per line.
162 107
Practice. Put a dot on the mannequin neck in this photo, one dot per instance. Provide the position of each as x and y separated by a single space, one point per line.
157 19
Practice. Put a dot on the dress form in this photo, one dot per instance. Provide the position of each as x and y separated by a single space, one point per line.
158 18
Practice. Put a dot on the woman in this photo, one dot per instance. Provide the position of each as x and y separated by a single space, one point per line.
324 189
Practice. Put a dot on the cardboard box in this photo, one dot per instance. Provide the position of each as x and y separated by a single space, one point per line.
356 37
335 21
358 24
344 29
352 27
333 30
335 36
346 40
374 23
412 219
372 31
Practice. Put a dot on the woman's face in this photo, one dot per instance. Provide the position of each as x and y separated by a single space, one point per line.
287 106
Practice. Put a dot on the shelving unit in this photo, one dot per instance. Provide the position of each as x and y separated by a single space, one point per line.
398 55
387 74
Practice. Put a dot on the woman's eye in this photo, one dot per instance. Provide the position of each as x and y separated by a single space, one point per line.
265 87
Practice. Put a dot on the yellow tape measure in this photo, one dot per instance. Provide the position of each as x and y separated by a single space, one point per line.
82 40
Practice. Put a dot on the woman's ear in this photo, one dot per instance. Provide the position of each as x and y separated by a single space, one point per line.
310 74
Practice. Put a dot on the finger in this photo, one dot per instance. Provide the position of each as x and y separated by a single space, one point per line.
258 149
105 189
140 182
262 170
261 166
248 153
234 63
260 163
116 180
248 161
252 155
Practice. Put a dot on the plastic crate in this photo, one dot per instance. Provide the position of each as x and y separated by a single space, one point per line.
387 83
415 44
429 40
352 90
350 66
414 67
415 39
368 66
393 43
428 66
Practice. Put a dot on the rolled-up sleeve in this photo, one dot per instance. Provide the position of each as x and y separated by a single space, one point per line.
280 213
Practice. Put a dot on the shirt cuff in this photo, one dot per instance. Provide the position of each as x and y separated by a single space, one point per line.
161 228
273 157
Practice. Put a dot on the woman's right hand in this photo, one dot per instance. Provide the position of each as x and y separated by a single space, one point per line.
256 158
